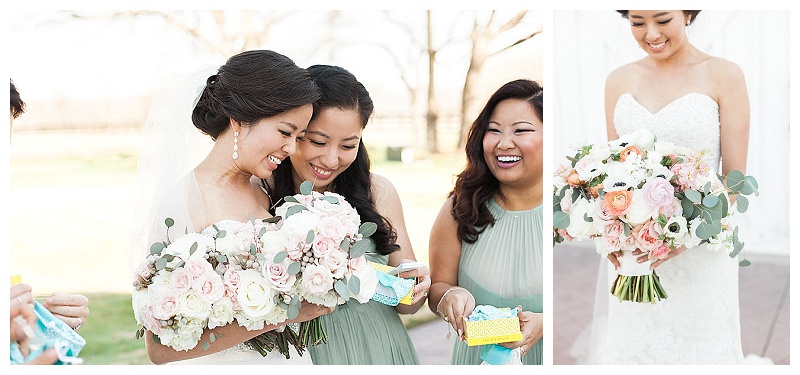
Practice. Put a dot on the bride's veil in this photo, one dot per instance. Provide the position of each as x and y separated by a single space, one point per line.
171 147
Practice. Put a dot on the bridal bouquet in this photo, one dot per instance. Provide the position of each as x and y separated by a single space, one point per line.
256 273
316 254
639 193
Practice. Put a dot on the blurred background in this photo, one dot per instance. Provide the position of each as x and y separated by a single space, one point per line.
89 77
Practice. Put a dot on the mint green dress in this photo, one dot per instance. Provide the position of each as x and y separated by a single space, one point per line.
365 334
503 268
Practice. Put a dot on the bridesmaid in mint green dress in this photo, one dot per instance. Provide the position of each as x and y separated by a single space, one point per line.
332 156
486 243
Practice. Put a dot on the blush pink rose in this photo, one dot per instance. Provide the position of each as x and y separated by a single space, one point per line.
278 276
336 261
166 306
647 237
317 279
358 263
209 286
180 280
325 246
658 192
198 266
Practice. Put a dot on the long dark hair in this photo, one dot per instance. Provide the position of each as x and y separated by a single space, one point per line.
476 184
340 89
249 87
17 105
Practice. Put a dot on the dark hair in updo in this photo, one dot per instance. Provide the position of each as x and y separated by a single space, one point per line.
340 89
251 86
692 13
17 105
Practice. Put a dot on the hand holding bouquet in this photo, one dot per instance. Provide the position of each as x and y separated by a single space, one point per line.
639 193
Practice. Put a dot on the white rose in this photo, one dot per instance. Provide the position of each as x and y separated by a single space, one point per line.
664 148
297 226
578 226
638 212
254 294
578 142
192 305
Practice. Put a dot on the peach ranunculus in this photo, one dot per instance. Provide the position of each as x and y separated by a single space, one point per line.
595 190
629 150
647 237
617 202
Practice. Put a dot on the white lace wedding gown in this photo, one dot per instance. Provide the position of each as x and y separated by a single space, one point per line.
698 323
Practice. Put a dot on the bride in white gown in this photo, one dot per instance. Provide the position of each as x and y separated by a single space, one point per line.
689 98
253 108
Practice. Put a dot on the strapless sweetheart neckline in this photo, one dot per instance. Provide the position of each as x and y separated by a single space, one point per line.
677 100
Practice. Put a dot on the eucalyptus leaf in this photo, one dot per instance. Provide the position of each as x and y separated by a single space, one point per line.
355 284
341 288
367 229
742 203
293 310
330 199
693 195
294 268
280 256
345 245
560 219
212 337
587 218
206 345
735 180
627 229
193 248
310 236
253 248
750 186
710 201
222 234
688 208
169 222
161 263
707 187
290 198
359 248
295 209
157 247
306 187
744 263
704 231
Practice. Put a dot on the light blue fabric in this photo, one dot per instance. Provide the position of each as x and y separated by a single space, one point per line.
55 334
391 289
495 354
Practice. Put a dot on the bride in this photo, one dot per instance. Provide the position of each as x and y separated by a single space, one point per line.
689 98
253 108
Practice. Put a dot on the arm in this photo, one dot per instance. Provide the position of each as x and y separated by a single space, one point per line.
226 337
445 254
734 116
388 204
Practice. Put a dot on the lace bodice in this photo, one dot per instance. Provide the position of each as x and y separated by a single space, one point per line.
691 121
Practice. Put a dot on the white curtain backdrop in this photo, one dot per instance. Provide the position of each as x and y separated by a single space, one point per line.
588 45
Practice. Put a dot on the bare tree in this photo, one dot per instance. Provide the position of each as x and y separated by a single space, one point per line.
481 36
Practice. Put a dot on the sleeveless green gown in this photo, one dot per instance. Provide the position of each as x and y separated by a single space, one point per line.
503 268
365 334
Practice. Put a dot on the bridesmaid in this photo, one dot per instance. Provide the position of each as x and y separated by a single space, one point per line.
332 155
486 243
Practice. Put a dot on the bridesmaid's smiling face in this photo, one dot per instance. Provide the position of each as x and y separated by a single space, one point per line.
512 145
328 147
660 33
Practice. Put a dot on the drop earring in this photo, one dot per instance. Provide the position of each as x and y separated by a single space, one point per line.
687 30
235 145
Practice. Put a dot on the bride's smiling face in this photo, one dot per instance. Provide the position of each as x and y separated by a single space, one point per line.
660 33
264 145
512 145
328 147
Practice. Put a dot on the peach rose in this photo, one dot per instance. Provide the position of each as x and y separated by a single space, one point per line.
629 150
617 202
659 253
595 190
647 237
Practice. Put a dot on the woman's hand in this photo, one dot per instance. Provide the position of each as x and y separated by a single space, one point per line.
532 327
656 262
309 311
455 304
73 309
423 276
